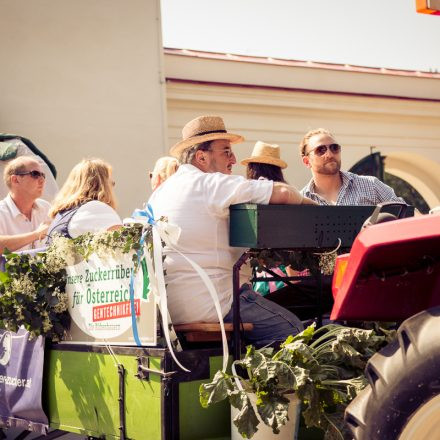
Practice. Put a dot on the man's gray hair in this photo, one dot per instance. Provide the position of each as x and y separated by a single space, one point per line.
187 156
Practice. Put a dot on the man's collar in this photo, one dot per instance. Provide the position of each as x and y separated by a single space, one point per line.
310 187
14 209
187 167
346 178
12 206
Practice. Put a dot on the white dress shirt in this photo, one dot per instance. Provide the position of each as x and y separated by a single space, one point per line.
199 203
13 222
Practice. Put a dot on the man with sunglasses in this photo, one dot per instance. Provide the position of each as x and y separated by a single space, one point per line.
329 185
23 215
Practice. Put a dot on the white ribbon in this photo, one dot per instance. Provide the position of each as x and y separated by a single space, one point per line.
169 234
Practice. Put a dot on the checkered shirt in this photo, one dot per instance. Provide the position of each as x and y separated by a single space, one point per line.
356 190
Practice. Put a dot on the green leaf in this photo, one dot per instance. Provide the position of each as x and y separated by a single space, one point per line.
281 376
254 361
273 410
336 428
53 301
4 277
306 335
215 391
346 353
36 322
58 328
302 376
296 353
246 420
238 398
313 410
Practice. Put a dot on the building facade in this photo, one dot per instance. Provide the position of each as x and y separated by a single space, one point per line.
278 101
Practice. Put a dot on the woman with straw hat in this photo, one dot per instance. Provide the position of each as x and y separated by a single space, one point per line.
266 163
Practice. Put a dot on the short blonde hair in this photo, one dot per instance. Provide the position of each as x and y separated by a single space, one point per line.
165 167
89 180
305 140
17 165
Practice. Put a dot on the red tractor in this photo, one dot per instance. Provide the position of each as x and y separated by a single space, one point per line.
393 274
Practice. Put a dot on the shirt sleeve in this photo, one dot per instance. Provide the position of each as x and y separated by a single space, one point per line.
385 193
93 217
222 191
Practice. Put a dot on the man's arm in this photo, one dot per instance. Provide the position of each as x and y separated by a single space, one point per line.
283 194
14 242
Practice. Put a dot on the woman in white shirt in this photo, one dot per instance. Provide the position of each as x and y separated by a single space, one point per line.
86 202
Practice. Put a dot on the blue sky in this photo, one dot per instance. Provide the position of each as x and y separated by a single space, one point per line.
374 33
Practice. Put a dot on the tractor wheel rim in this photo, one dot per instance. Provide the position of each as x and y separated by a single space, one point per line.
424 423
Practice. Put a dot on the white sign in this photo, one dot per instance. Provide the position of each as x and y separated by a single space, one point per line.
100 304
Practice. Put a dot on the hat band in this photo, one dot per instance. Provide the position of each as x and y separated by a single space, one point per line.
209 132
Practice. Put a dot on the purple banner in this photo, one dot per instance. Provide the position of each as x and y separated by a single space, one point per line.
21 376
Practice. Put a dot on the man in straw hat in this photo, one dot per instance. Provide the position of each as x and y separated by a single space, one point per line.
197 199
329 185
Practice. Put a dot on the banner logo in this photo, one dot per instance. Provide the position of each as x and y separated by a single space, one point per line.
5 348
98 292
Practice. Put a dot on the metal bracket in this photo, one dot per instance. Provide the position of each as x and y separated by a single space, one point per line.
144 370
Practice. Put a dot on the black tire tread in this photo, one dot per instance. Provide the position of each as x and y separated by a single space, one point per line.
403 376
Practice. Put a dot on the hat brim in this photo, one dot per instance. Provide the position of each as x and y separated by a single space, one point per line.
177 149
266 160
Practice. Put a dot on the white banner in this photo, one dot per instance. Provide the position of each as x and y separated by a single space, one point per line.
100 305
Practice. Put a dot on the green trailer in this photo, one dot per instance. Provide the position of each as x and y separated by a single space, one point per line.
130 392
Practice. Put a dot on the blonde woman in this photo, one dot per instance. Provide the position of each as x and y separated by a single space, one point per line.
165 167
86 202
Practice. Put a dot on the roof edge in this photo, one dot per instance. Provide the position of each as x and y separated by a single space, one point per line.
299 63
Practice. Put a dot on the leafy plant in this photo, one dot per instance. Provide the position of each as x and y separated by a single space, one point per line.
32 288
324 367
323 262
32 295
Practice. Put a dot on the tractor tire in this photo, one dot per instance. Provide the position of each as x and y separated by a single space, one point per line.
403 398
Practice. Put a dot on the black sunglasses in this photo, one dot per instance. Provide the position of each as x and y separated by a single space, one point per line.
34 174
322 149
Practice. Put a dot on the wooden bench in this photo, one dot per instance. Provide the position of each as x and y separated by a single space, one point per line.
208 331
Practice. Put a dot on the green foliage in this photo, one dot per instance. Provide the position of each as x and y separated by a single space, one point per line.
32 288
246 421
316 262
111 243
31 295
323 367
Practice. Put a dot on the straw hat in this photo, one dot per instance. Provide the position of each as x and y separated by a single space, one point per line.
265 153
203 129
